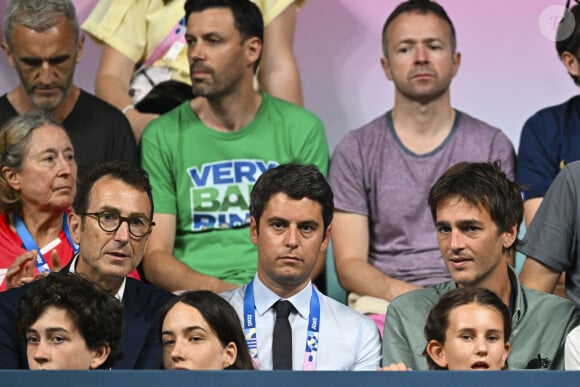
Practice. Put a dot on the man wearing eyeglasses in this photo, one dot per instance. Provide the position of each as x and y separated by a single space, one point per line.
112 221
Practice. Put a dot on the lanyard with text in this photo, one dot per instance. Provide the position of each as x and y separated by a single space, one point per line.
171 45
312 336
30 244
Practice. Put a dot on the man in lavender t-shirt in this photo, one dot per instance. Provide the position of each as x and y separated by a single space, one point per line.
383 236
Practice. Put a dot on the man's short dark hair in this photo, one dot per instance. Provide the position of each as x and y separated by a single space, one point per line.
570 42
298 182
483 185
97 315
247 16
422 7
124 171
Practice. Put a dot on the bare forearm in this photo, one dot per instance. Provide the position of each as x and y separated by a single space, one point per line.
364 279
283 83
537 276
167 272
279 73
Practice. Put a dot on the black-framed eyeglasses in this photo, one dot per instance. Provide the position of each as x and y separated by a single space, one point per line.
110 221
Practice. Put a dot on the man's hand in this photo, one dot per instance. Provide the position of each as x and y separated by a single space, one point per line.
395 367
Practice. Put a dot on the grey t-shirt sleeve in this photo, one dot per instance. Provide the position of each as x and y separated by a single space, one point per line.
552 236
346 177
397 347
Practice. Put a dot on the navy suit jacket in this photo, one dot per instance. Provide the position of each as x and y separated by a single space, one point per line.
140 341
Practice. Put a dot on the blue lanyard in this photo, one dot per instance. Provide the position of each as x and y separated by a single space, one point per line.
30 244
312 335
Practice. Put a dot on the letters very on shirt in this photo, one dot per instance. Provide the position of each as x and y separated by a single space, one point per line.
220 193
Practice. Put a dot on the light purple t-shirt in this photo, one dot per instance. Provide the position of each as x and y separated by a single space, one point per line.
373 174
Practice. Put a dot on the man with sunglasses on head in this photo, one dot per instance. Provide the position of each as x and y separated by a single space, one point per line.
112 221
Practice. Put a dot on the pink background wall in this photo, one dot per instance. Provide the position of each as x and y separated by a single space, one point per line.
509 68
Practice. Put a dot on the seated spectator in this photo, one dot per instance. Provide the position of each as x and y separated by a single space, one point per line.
468 329
551 240
111 222
383 238
550 139
477 211
201 331
204 157
43 45
131 32
292 207
69 324
37 188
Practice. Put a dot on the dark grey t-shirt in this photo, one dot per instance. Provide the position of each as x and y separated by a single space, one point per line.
553 235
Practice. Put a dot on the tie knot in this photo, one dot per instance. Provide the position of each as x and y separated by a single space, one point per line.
283 309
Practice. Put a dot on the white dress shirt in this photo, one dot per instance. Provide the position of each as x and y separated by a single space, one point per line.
348 339
120 292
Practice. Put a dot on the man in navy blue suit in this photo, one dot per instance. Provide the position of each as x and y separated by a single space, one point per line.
111 224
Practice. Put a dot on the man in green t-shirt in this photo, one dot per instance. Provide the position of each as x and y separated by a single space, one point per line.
204 156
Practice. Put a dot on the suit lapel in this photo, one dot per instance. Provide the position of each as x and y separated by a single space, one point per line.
135 329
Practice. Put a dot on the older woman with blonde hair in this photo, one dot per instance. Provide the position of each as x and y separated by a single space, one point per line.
37 187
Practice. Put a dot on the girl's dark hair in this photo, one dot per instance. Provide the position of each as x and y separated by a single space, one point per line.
438 319
221 317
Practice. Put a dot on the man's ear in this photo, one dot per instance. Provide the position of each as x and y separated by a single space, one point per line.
510 236
326 239
253 47
570 61
8 53
100 355
386 68
253 230
80 47
456 62
436 352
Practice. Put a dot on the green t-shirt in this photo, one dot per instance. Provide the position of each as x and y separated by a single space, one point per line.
204 178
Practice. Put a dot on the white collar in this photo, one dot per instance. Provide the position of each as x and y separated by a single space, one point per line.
120 292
